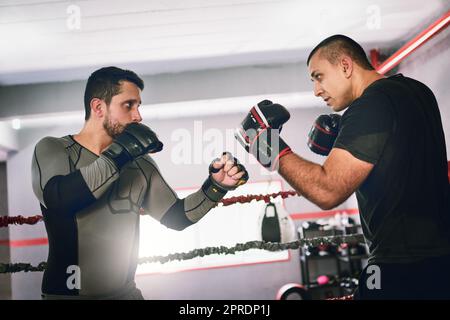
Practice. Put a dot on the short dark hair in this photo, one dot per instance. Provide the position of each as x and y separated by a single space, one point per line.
105 83
332 48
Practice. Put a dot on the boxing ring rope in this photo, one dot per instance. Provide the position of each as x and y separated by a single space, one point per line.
268 246
19 220
262 245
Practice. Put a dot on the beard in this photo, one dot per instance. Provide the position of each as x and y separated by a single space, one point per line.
113 129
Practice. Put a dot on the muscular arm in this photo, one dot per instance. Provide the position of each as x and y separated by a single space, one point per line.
163 204
330 184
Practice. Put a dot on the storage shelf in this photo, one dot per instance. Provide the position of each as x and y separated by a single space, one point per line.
352 263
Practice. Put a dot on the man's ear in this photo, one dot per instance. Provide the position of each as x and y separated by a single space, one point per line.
97 107
346 64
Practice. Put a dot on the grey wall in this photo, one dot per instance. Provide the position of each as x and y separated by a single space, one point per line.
174 87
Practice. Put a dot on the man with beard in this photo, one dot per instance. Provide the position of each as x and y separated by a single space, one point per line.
92 187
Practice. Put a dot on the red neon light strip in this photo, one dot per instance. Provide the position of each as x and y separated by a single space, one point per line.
322 214
416 42
24 242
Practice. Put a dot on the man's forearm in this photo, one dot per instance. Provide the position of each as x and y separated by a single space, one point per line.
308 179
73 192
187 211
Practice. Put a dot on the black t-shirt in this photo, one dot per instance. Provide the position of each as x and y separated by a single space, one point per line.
404 204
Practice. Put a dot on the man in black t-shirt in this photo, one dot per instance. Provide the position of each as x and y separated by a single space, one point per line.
390 150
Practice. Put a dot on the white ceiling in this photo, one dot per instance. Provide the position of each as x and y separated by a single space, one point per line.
40 41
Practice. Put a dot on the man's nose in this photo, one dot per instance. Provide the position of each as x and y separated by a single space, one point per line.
136 116
317 89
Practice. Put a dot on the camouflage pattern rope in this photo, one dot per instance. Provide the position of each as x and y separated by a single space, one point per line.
269 246
18 267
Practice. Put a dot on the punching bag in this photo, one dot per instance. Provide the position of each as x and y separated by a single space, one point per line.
276 224
270 226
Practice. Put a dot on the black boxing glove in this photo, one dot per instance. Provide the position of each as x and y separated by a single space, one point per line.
259 133
266 115
134 141
215 190
323 133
